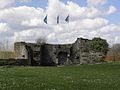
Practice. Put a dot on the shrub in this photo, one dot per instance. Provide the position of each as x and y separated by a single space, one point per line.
99 45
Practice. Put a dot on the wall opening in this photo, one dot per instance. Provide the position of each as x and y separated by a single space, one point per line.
62 58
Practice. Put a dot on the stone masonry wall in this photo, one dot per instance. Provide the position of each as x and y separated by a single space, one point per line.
58 54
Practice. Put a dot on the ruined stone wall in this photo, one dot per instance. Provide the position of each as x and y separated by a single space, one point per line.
58 54
34 51
81 53
63 54
51 54
48 54
29 51
20 50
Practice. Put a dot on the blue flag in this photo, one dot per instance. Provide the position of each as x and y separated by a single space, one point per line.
45 19
67 19
57 19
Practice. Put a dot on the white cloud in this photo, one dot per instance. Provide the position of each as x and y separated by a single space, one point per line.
9 3
25 23
110 32
6 3
96 2
32 22
111 28
5 32
82 12
111 10
21 15
63 33
91 23
24 0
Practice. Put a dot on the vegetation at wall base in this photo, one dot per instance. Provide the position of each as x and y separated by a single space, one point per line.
83 77
15 62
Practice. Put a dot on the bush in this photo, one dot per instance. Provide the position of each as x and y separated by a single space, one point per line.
99 45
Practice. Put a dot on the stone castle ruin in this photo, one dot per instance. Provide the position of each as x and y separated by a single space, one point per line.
57 54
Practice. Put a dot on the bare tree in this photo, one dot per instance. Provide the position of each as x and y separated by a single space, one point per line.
5 49
41 40
116 52
0 46
5 45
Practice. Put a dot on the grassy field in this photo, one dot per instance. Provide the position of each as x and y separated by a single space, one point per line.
84 77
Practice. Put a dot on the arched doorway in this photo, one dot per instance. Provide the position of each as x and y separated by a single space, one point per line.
62 58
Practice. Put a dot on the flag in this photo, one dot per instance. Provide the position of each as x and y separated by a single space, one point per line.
67 19
45 19
57 19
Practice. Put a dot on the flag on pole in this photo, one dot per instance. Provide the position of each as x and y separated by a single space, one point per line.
67 19
45 19
57 19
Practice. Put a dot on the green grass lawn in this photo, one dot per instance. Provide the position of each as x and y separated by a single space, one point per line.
84 77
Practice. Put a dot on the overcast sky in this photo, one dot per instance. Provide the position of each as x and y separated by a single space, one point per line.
22 20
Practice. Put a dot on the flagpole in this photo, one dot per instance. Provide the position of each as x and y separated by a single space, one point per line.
67 20
46 24
68 25
58 22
